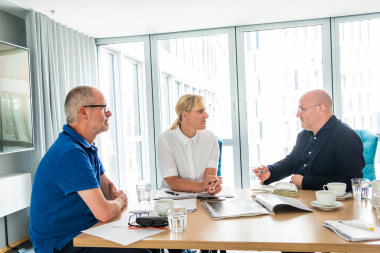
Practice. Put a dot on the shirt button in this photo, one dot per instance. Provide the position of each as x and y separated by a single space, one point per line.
310 152
304 165
315 138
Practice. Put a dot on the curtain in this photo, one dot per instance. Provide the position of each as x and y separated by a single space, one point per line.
60 59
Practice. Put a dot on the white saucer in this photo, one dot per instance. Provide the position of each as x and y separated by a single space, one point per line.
345 196
315 203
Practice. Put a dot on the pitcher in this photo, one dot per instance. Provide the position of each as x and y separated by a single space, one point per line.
375 188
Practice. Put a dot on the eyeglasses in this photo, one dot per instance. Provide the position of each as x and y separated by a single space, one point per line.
132 219
303 109
105 107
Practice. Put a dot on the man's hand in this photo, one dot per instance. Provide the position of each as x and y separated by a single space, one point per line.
297 180
212 184
118 195
260 175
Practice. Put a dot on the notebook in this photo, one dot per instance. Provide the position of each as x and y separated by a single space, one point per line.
226 192
264 204
351 233
281 188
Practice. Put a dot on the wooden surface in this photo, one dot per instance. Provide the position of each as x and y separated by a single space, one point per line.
287 230
15 244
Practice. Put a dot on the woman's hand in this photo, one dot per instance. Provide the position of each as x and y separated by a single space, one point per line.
212 184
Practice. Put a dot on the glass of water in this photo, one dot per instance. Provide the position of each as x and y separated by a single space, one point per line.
143 191
360 187
376 202
177 217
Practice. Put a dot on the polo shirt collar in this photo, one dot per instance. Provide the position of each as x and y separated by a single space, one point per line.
77 137
184 138
330 123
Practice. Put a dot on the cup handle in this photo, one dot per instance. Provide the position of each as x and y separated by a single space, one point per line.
326 186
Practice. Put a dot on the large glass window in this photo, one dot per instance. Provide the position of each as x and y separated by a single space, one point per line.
199 65
124 147
359 64
280 65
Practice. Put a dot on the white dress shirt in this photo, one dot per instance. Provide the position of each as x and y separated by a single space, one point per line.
186 157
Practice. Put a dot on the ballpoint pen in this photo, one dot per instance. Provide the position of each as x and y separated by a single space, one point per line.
357 225
261 171
172 193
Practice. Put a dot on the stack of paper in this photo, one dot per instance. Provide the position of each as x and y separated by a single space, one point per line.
226 192
148 206
351 233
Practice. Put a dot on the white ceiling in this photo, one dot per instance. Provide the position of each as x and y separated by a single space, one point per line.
116 18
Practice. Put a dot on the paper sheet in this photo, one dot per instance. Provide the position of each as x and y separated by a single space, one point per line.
119 232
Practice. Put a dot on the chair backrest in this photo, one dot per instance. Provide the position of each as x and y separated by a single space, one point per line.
219 173
370 141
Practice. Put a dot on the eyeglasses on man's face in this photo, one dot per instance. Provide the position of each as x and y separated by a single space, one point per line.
301 109
105 107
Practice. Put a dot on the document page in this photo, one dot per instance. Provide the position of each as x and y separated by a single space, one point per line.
119 232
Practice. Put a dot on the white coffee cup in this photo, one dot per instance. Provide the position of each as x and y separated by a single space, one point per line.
325 198
337 187
161 206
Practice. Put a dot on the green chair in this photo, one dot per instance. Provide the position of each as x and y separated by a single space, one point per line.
370 141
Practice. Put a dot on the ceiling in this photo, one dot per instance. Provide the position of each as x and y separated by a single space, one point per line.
116 18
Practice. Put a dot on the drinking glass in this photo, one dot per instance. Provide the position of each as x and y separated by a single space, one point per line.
376 202
177 217
360 187
143 191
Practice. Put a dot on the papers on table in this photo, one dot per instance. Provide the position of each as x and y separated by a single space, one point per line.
226 192
148 206
119 232
351 233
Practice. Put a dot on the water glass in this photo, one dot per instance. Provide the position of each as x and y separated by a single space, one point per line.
143 191
177 217
376 202
360 187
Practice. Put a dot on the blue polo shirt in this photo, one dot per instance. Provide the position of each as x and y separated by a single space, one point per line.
57 212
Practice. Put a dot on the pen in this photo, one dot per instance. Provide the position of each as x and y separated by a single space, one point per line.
172 193
261 171
357 225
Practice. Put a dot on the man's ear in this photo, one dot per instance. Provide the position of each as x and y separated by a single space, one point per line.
82 113
322 109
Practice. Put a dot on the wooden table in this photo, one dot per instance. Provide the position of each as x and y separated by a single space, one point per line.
287 230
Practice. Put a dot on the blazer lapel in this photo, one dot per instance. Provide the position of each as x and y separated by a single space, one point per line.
318 147
300 146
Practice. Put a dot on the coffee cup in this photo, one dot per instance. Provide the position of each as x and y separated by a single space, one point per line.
161 206
326 198
337 187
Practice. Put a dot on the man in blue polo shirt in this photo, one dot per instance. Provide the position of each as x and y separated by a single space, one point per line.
71 192
326 151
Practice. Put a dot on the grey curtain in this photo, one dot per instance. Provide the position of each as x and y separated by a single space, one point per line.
60 59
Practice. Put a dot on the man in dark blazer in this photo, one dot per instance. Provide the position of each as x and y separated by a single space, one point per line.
327 150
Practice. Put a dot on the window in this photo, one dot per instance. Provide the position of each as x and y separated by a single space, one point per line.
279 54
209 77
363 72
124 148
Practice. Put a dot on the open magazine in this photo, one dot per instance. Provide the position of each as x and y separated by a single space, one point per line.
280 188
264 204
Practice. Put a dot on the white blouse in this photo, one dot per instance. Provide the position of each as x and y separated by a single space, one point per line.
186 157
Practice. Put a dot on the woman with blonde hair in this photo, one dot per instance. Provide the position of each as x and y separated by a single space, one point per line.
188 155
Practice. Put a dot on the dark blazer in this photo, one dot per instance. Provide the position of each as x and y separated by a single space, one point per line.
337 157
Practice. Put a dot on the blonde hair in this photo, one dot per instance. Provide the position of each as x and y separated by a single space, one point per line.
186 103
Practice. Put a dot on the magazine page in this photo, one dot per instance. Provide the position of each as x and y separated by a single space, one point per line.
270 201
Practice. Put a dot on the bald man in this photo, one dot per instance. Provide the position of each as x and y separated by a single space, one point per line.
327 150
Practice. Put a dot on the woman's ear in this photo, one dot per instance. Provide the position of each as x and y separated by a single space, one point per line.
184 115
